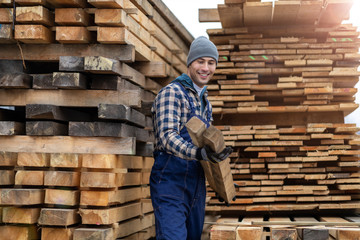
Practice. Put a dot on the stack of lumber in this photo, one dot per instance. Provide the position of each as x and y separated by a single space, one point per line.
280 94
287 227
77 79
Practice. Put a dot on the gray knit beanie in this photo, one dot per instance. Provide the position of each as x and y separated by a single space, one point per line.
202 47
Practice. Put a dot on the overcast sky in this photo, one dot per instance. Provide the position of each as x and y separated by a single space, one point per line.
187 11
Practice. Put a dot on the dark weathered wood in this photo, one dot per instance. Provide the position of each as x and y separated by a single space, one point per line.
52 52
15 80
11 128
121 112
101 129
11 66
43 81
71 63
105 82
67 80
52 112
144 135
144 149
46 128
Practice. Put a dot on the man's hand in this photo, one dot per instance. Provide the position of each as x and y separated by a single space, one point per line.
209 155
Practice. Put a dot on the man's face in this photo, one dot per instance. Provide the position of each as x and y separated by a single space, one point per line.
201 70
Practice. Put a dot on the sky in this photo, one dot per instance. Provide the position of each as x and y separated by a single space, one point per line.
187 11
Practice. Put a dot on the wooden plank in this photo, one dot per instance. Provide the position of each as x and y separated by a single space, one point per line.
68 3
230 16
33 159
52 112
62 197
285 12
46 128
52 52
26 232
101 129
61 178
20 215
11 128
29 178
107 198
97 233
309 11
110 17
65 144
6 33
72 34
209 15
58 217
15 80
7 177
121 112
257 13
132 226
69 98
57 233
65 160
65 80
72 16
19 197
34 15
111 215
6 15
43 81
120 35
107 3
33 34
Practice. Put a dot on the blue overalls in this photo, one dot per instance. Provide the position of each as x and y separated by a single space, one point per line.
178 192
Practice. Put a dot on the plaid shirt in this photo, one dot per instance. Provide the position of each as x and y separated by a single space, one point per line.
170 114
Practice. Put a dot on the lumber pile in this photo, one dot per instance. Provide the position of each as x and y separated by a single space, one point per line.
77 80
287 227
284 82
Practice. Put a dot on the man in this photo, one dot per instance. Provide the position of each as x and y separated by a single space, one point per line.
177 181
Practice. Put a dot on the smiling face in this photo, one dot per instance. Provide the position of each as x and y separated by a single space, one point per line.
201 70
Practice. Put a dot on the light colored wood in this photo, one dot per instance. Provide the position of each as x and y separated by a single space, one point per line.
97 233
72 16
70 34
107 3
107 198
57 233
135 225
58 217
6 15
209 15
29 178
20 215
65 160
33 34
30 159
19 232
34 15
78 98
10 196
6 33
65 144
62 197
61 178
8 158
111 215
110 17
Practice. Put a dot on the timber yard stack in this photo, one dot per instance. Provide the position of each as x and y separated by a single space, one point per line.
284 82
77 79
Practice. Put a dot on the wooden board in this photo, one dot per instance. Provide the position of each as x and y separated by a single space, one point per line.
58 217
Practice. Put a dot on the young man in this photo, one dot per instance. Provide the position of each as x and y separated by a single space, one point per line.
177 181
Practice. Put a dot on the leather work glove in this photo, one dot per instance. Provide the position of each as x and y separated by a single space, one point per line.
208 154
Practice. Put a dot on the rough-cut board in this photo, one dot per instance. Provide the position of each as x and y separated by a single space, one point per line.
72 16
209 15
52 112
65 144
89 233
57 233
73 34
20 215
26 232
111 215
52 52
33 34
257 13
34 15
19 197
15 80
69 98
121 112
46 128
58 217
107 3
62 197
218 175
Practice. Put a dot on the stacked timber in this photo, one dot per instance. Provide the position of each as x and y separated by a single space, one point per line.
284 83
77 79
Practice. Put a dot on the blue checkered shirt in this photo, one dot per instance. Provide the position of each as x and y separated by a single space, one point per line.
170 114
